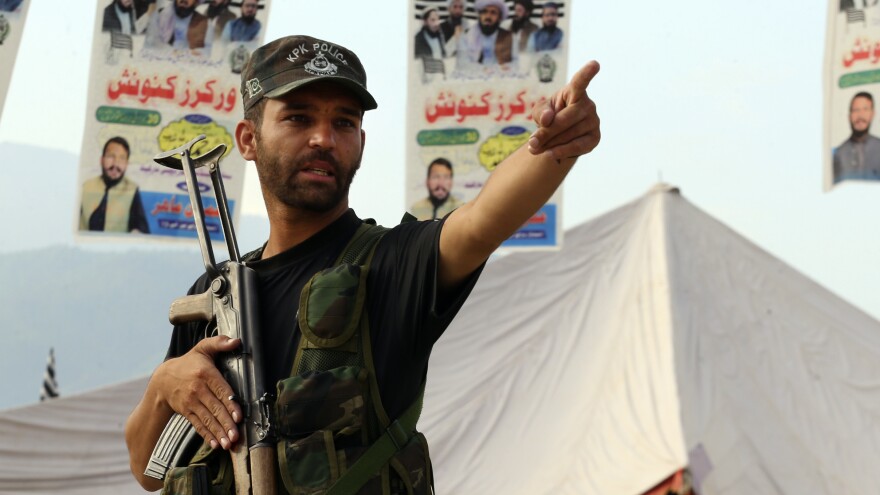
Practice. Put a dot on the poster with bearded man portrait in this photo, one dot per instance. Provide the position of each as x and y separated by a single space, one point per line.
852 88
163 72
476 70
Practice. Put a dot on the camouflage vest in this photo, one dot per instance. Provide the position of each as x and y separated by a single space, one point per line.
334 436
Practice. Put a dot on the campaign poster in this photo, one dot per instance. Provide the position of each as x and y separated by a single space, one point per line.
162 73
476 70
852 84
12 16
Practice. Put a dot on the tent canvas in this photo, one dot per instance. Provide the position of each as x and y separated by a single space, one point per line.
656 339
655 335
72 445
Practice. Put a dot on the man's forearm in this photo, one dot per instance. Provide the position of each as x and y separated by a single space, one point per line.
142 431
192 386
568 126
517 188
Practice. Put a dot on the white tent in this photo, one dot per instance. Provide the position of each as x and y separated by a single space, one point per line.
656 339
71 445
657 332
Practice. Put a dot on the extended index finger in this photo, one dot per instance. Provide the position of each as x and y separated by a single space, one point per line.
584 75
577 86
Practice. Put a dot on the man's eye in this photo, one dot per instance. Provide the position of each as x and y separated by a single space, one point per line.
345 123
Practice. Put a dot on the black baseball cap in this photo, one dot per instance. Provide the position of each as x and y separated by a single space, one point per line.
292 62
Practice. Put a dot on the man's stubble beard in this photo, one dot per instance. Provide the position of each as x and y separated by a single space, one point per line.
859 135
109 182
215 10
432 193
437 202
183 12
281 181
518 23
491 28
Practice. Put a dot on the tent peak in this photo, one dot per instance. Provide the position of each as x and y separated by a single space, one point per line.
663 187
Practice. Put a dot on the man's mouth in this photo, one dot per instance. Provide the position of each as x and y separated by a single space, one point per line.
319 164
319 171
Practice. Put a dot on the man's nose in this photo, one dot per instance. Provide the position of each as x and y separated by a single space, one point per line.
323 136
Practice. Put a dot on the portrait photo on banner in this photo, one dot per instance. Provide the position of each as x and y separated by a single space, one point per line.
163 73
486 39
476 70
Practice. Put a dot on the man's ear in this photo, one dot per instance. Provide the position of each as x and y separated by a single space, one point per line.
246 139
363 144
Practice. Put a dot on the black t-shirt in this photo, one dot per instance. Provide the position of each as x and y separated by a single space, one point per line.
406 317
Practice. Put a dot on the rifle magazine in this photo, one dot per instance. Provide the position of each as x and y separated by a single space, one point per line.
177 444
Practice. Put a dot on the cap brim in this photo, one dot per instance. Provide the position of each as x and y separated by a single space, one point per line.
367 100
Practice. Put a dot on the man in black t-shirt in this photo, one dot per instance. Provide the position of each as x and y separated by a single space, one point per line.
304 101
400 287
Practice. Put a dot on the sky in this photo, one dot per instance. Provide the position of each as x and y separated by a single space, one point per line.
722 99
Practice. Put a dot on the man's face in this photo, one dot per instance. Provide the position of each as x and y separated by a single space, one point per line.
249 9
490 16
433 21
184 8
439 182
219 3
309 147
861 114
456 8
520 12
114 161
549 17
125 4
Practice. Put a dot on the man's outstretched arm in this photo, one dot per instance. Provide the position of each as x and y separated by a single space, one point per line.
192 386
568 127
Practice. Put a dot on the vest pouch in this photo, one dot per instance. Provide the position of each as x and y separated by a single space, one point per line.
331 304
314 412
310 465
209 472
190 480
322 400
412 467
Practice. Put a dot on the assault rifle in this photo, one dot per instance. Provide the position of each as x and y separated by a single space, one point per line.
231 302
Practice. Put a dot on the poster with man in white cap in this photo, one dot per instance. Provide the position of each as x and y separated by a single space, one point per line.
476 70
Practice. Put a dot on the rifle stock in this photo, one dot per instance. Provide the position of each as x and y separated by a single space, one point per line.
231 302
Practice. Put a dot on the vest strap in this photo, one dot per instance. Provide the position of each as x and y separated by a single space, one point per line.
380 452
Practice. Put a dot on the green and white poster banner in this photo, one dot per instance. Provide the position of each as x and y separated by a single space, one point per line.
12 17
162 73
476 70
852 86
